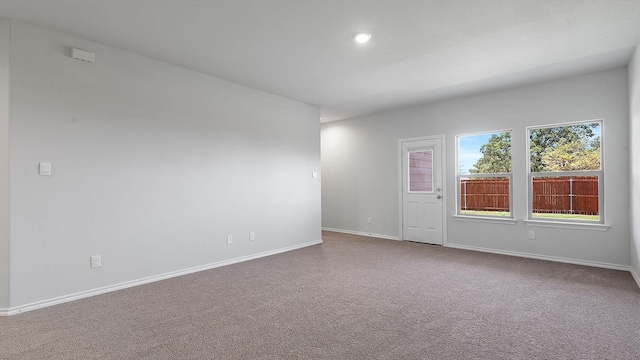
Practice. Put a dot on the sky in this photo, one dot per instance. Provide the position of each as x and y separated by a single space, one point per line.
469 150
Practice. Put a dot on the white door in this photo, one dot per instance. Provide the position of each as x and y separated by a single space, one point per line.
422 190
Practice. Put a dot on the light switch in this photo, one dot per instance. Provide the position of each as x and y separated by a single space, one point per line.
45 169
314 174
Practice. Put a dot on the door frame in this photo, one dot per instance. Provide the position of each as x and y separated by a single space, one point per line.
443 163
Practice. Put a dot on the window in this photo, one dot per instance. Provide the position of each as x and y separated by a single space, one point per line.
421 171
484 178
566 172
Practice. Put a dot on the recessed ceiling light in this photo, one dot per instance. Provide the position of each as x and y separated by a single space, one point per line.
361 37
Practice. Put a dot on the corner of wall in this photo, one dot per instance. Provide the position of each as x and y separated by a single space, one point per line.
634 161
5 34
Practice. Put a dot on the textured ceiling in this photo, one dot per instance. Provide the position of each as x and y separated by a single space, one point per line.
421 50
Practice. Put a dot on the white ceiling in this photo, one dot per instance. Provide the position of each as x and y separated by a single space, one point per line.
421 50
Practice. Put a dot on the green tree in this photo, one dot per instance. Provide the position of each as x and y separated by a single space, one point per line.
496 155
546 139
574 155
562 148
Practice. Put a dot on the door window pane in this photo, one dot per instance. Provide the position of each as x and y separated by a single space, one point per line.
421 171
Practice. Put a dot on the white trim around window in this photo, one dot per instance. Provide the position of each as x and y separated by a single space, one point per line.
560 220
459 215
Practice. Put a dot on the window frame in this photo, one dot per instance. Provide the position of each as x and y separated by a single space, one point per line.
531 220
480 217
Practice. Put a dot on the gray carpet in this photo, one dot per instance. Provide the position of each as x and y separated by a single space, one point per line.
351 298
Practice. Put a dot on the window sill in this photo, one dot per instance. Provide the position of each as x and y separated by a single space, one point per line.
567 225
494 220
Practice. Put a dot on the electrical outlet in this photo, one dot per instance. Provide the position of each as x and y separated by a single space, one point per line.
229 239
45 169
96 261
252 236
532 234
369 220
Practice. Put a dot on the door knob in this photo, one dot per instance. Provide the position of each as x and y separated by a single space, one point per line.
439 196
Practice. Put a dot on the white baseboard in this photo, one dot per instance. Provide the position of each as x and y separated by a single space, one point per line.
388 237
128 284
635 275
543 257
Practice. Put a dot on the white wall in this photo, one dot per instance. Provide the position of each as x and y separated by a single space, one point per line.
153 166
360 164
634 140
4 162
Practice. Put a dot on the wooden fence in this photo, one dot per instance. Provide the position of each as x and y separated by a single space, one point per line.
557 195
